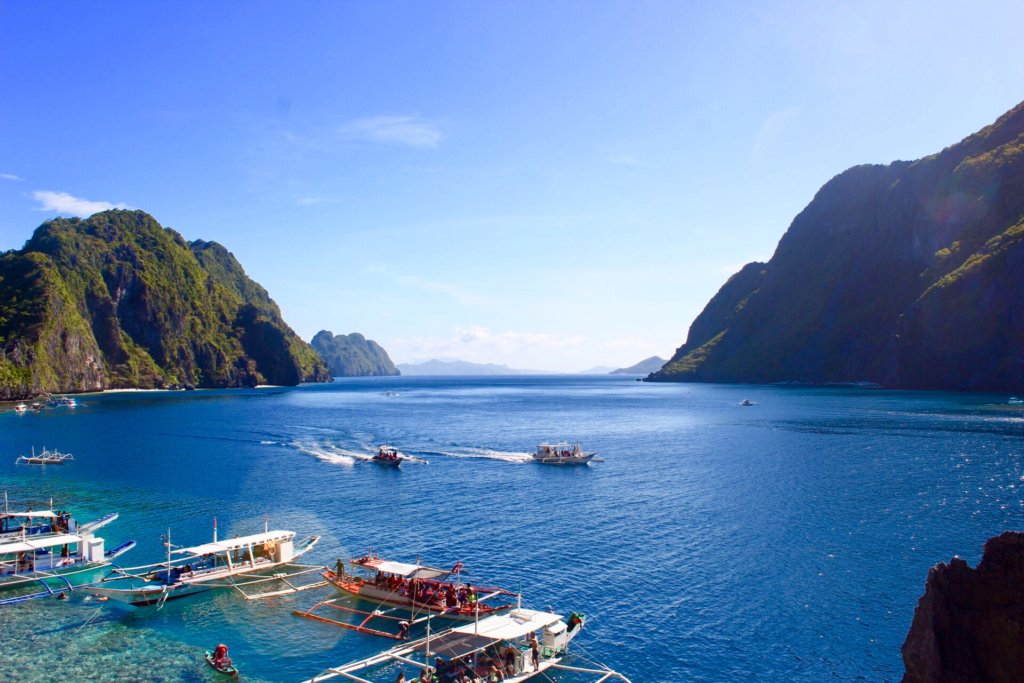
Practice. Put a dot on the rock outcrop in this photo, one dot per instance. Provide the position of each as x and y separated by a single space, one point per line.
969 625
117 301
353 355
906 275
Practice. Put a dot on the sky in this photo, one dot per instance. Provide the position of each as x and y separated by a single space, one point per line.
542 184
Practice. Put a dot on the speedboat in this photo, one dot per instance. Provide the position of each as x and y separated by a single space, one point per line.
232 563
416 591
562 453
499 647
21 409
388 456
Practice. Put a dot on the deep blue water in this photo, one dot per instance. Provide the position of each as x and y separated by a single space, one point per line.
786 541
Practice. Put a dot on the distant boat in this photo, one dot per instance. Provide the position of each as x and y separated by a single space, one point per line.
746 402
1014 401
562 454
388 456
46 457
21 409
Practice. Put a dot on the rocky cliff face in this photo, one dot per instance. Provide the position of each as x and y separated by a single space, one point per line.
905 275
353 355
118 301
969 625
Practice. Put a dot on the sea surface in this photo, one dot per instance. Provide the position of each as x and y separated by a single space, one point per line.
788 540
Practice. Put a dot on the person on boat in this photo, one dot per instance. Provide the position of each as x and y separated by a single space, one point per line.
403 630
220 657
508 655
401 677
531 638
470 596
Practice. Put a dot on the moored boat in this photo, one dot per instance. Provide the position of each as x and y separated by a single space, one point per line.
388 456
21 409
53 553
413 592
502 647
562 453
46 457
236 562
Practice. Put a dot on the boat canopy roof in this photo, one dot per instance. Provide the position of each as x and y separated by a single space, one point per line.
229 544
42 514
30 543
404 569
514 624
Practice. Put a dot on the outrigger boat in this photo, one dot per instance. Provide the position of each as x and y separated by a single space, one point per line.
237 563
500 647
413 592
18 523
56 553
44 458
562 454
388 456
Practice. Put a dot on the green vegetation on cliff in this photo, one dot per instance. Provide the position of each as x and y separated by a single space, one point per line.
906 275
353 355
119 301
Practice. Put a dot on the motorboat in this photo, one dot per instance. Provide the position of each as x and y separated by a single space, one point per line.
562 453
388 456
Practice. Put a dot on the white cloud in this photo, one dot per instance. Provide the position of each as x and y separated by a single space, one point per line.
479 344
771 130
411 131
62 202
10 176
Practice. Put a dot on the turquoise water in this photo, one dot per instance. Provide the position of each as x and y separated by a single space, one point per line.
784 541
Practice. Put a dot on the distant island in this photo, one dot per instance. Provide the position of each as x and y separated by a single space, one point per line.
907 275
438 368
644 367
118 301
353 355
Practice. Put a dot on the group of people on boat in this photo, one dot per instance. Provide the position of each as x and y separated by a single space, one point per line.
436 594
495 663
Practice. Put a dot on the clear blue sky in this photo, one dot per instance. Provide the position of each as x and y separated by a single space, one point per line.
550 185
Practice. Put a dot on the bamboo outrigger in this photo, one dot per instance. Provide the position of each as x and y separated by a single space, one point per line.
503 644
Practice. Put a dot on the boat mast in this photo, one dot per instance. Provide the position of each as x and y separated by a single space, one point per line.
215 529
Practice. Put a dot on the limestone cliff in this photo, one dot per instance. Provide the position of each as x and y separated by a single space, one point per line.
119 301
969 625
906 275
353 355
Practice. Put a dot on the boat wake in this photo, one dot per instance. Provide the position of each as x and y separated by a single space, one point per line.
329 453
482 453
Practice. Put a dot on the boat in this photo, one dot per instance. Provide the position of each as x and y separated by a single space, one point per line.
227 670
63 402
237 563
405 592
500 647
562 453
388 456
46 457
29 522
54 553
746 402
21 409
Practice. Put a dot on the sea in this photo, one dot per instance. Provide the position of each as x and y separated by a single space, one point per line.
786 540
